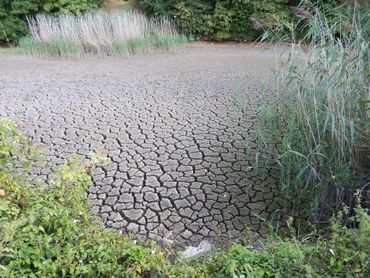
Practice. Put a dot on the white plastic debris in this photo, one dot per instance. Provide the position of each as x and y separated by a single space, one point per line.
192 251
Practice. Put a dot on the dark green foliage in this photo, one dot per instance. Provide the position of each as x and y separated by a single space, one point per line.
250 16
11 27
218 19
13 13
221 22
228 19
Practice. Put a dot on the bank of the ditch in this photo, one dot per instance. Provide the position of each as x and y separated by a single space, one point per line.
47 230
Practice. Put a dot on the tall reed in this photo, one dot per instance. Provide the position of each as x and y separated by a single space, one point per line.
115 32
319 115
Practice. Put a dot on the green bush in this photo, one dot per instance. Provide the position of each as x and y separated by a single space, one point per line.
231 19
218 19
13 13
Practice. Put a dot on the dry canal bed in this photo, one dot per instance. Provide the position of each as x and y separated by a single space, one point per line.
173 128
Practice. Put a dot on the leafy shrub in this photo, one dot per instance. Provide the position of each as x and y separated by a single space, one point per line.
13 13
217 19
232 19
249 14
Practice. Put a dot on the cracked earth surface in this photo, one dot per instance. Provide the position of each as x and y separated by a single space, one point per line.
173 128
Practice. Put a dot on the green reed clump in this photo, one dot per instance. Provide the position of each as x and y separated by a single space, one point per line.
319 116
60 48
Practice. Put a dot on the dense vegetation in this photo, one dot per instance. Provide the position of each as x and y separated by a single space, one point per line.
320 112
244 20
203 19
219 19
13 13
47 231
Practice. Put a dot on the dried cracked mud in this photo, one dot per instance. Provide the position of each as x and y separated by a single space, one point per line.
173 126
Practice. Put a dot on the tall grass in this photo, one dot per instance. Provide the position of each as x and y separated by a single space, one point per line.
319 116
115 32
